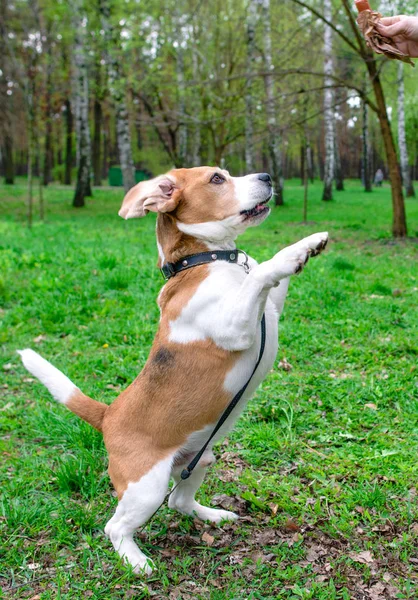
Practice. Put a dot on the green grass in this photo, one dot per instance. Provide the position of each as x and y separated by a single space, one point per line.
322 465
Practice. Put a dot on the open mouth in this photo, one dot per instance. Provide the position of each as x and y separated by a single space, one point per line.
259 209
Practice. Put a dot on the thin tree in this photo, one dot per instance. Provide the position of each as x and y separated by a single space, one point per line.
83 188
329 167
403 149
365 153
116 84
249 87
274 138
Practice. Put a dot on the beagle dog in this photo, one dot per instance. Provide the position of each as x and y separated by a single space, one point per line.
205 349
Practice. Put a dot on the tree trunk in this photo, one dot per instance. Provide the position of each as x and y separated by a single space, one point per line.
302 163
365 162
305 185
195 140
97 167
399 228
249 101
83 188
403 150
112 44
309 160
30 104
329 166
274 137
339 178
182 124
47 166
68 142
8 164
6 123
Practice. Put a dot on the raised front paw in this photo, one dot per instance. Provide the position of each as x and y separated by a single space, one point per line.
315 243
298 254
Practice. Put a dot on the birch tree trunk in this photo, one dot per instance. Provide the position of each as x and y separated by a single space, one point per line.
68 142
365 160
274 138
82 112
403 150
329 166
116 87
196 137
182 125
249 101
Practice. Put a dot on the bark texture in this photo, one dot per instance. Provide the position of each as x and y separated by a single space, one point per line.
329 165
249 101
6 129
339 178
365 154
7 156
274 137
399 228
403 149
82 112
68 142
96 158
123 133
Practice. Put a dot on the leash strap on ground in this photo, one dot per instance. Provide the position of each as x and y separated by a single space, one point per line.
185 474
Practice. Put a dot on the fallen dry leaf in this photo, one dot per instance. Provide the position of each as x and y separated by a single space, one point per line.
290 526
370 405
207 538
364 557
39 338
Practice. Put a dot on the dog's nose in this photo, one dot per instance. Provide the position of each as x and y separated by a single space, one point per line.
265 177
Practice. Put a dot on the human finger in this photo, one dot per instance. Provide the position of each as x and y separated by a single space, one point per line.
398 28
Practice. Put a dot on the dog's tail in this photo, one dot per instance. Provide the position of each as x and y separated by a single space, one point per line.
64 390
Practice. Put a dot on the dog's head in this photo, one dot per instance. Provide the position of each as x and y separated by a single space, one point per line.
206 202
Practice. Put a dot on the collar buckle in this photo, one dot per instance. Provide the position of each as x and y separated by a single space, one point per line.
167 271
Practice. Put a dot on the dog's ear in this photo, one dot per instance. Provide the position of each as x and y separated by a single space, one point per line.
156 195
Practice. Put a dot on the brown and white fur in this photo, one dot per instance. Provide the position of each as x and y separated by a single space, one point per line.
205 348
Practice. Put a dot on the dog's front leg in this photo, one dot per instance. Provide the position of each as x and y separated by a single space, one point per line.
241 312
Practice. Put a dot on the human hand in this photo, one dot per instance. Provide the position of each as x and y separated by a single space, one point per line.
403 31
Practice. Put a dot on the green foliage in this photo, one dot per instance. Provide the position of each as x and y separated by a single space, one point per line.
324 457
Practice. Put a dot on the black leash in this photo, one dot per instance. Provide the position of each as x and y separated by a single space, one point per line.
185 474
181 265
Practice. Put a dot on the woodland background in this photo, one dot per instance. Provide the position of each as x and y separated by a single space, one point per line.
286 87
321 467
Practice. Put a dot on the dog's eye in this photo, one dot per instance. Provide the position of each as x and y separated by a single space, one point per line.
217 178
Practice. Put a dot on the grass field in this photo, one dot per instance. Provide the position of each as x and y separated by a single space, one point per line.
322 466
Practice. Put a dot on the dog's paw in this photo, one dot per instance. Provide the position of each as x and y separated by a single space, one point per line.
315 243
217 515
144 567
294 258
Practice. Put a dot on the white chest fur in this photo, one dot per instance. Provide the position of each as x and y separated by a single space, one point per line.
204 318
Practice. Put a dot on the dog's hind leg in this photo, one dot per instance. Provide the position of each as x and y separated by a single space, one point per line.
137 505
183 499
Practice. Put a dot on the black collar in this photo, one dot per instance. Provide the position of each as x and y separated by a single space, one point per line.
203 258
